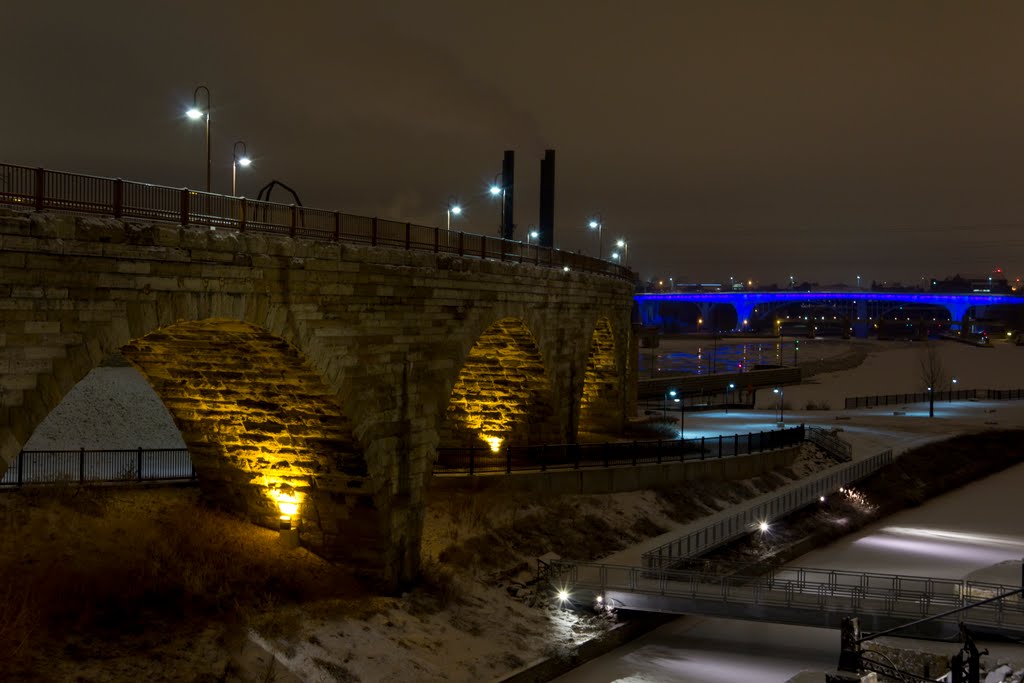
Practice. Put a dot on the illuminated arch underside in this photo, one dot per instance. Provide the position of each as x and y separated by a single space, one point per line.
502 394
599 406
260 425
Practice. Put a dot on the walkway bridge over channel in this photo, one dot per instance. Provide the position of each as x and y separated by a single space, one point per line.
798 595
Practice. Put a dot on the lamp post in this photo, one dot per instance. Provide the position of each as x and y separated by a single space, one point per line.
237 160
453 209
621 244
782 405
675 397
595 224
732 388
858 282
532 235
195 113
952 386
497 190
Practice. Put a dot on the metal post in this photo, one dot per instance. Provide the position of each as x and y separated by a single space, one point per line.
118 198
408 234
138 464
337 225
21 467
462 236
295 220
184 207
373 231
81 465
719 445
245 216
40 188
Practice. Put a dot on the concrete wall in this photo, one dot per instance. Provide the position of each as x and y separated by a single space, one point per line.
336 365
621 479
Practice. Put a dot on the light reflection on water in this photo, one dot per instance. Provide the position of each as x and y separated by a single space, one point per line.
711 357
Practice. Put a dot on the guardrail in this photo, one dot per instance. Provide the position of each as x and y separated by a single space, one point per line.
83 466
745 521
940 396
830 442
481 460
790 594
42 189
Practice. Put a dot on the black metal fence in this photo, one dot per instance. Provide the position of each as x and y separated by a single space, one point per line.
479 460
940 396
43 189
81 466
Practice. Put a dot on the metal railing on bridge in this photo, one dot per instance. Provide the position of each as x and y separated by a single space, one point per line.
42 189
940 397
795 595
84 466
830 442
748 519
481 460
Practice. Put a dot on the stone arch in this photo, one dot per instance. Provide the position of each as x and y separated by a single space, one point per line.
267 437
601 399
503 394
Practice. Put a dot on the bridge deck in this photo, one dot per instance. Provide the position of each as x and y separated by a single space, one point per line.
799 595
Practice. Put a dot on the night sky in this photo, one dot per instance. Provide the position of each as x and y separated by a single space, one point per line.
754 139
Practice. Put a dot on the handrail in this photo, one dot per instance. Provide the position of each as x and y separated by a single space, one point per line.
42 189
745 521
480 459
108 465
792 589
830 442
944 396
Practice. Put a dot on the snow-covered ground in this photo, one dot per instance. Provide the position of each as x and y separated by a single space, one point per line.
480 637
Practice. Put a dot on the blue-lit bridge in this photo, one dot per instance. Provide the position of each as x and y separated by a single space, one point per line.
858 309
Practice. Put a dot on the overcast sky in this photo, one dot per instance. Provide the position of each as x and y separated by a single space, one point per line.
820 139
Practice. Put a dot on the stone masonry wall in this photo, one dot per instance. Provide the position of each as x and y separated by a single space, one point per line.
377 337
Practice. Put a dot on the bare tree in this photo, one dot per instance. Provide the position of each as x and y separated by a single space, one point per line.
933 373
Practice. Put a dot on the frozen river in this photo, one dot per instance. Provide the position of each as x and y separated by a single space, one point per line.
962 532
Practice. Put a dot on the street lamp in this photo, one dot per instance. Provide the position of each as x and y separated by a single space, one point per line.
595 224
674 395
237 160
952 386
858 282
454 209
497 190
615 256
195 113
532 235
621 244
782 405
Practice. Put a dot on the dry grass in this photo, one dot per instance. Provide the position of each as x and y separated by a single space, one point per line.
101 562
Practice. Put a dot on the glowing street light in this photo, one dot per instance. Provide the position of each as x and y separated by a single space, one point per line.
237 160
621 244
532 235
595 224
454 209
782 406
195 113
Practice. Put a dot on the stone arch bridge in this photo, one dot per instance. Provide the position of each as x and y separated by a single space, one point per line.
316 378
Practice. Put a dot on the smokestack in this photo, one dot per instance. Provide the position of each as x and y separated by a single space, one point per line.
508 181
546 226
